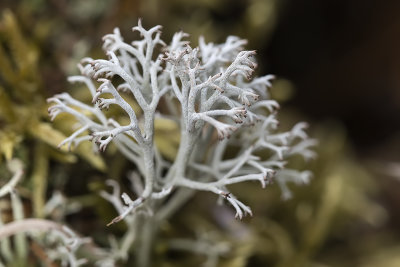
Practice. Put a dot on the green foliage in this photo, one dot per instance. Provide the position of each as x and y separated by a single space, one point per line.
23 112
23 107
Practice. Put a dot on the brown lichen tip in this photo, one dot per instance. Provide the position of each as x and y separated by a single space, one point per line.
115 220
226 194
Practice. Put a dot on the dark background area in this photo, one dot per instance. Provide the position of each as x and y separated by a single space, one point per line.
343 57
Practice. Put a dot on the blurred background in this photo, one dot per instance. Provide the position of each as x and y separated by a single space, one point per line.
337 64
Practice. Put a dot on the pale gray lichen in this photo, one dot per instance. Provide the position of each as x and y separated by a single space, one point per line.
208 90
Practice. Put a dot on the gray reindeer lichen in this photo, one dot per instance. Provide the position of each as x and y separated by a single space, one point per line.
209 93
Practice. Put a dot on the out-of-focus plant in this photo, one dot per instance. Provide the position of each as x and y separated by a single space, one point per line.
23 111
342 198
23 105
26 240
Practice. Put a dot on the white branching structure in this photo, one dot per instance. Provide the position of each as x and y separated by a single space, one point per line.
60 243
209 92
